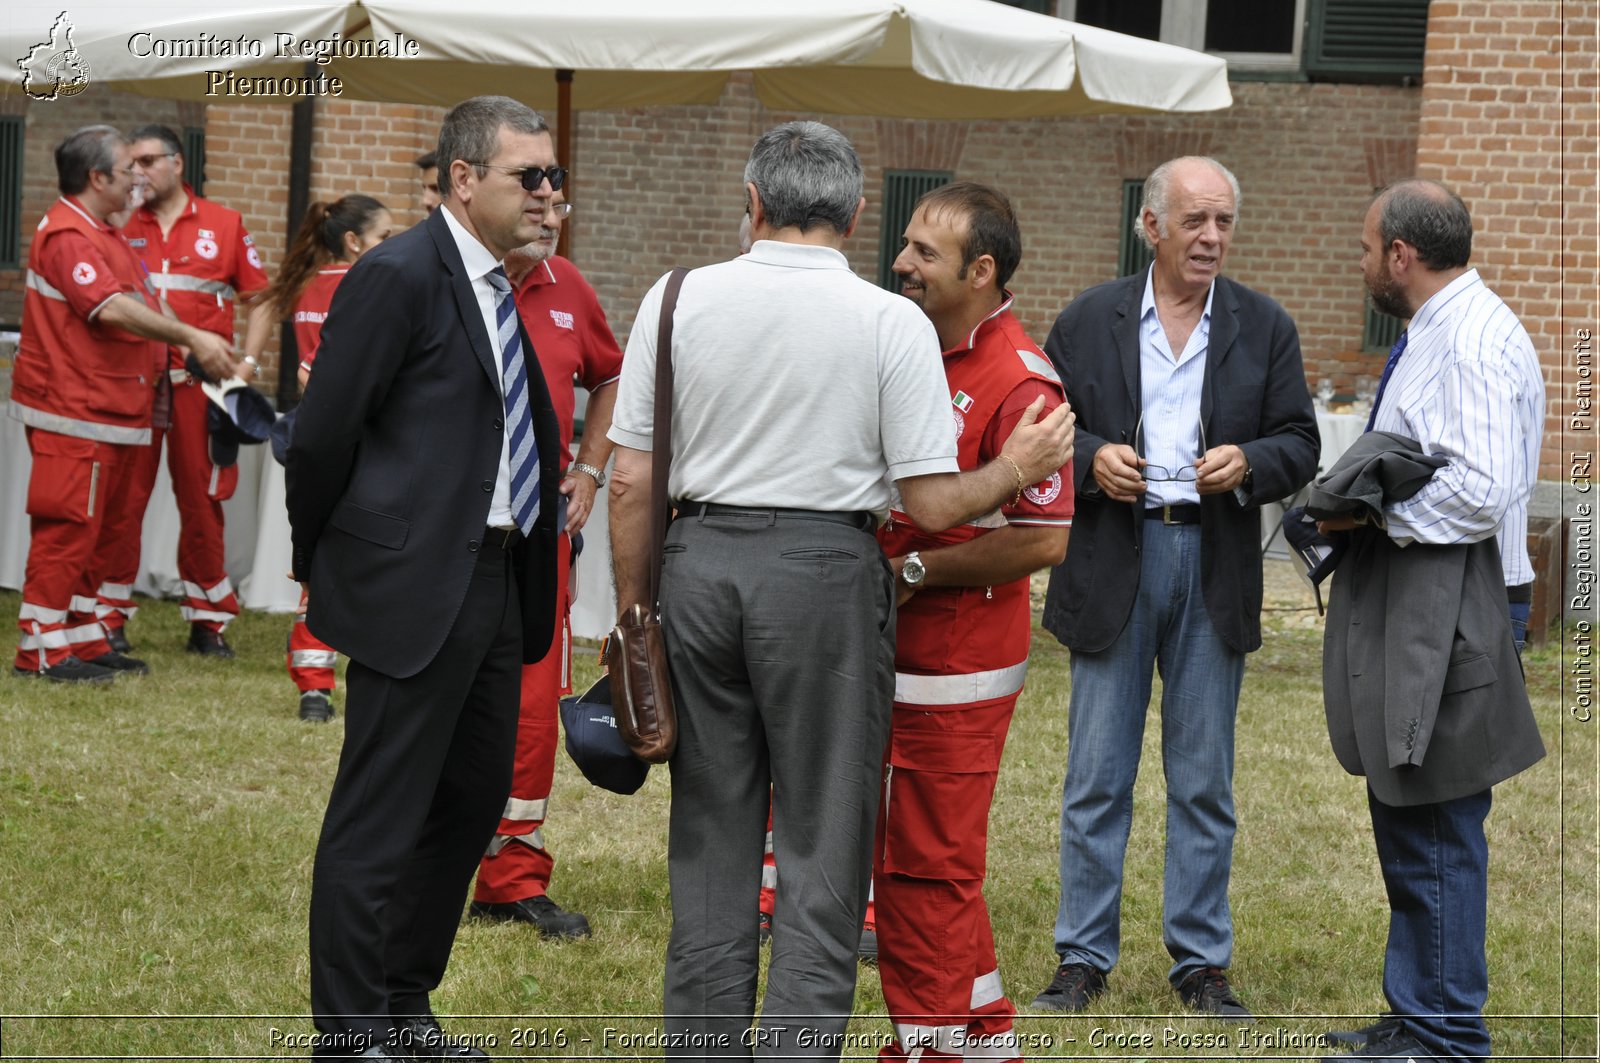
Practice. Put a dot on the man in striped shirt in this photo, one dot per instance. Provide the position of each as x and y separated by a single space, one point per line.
1464 382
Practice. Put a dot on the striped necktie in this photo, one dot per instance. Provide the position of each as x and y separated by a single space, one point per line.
514 380
1395 352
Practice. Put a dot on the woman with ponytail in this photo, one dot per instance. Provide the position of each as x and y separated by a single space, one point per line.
331 238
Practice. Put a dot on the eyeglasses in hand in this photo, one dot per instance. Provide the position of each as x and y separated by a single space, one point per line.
1186 474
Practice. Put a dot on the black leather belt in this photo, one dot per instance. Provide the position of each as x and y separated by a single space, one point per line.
859 520
502 538
1183 513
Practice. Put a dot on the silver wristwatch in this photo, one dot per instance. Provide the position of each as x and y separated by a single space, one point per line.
913 571
598 475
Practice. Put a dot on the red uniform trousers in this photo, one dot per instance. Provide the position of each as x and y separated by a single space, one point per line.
310 660
200 488
941 982
75 483
517 865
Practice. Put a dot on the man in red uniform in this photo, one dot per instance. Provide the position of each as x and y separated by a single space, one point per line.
200 259
574 341
961 649
85 383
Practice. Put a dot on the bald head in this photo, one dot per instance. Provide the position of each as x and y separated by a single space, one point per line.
1429 217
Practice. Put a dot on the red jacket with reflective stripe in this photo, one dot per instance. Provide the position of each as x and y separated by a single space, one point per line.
964 630
203 264
75 376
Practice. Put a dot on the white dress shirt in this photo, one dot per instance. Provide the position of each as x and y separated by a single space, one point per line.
1169 399
479 263
1468 388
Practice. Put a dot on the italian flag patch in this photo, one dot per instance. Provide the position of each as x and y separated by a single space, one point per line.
962 401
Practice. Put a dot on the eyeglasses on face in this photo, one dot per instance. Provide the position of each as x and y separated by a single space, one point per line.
144 162
560 210
1186 474
532 177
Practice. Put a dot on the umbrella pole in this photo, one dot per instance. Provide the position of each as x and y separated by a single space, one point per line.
300 145
566 154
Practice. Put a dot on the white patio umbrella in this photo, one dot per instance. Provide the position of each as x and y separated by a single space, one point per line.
899 58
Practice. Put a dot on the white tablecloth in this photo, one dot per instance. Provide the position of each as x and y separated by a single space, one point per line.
256 537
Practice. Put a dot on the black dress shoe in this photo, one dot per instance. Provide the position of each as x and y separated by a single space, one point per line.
552 920
316 706
118 637
208 643
1074 985
421 1036
1384 1027
117 662
69 670
1207 990
378 1054
1393 1043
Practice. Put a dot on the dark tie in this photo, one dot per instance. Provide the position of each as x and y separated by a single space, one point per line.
514 379
1395 352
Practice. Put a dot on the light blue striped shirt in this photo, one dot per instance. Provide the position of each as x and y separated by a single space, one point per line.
1169 398
1469 388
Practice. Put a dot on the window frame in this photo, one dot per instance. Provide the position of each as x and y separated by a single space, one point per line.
13 138
896 212
1183 22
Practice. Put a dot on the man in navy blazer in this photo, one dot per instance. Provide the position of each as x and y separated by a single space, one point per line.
1192 411
431 563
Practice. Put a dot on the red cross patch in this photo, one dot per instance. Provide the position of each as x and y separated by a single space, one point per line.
84 273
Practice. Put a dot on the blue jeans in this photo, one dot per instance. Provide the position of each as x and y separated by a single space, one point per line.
1201 675
1519 623
1435 864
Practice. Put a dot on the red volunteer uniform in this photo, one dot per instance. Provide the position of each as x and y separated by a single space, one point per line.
200 268
311 660
573 340
85 391
961 655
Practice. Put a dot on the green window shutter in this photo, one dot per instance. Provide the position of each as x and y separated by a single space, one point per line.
901 190
1380 330
11 128
1365 40
1133 256
194 158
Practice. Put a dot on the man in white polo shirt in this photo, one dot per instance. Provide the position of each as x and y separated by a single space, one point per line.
800 390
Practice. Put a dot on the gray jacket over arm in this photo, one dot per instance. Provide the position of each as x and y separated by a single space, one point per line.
1422 686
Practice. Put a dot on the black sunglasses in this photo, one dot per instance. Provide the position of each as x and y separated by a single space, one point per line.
532 176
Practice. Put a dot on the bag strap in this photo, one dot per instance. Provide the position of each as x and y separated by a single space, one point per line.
661 446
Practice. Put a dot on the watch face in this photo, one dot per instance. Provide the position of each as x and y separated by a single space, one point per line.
913 571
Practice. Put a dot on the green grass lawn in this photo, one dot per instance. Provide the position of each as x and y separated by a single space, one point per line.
156 842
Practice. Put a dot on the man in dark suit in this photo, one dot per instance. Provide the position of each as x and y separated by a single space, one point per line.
1192 411
422 486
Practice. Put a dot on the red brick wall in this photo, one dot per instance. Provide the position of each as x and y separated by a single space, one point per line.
357 146
661 186
1509 122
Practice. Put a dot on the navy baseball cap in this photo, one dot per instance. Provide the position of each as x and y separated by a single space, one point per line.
594 743
237 413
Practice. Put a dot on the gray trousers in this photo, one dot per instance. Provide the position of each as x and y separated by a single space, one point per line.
780 631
